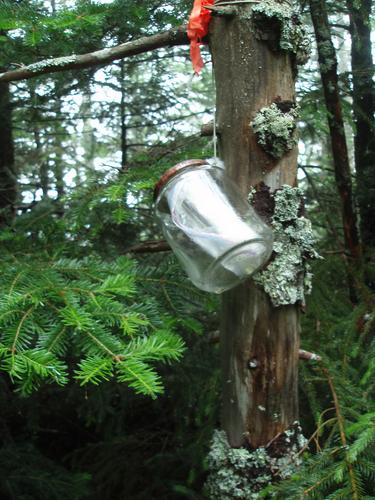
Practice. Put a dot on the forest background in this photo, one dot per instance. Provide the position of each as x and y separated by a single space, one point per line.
111 382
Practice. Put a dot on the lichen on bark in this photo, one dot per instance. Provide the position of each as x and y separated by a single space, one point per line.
241 473
283 22
287 278
52 63
327 56
275 129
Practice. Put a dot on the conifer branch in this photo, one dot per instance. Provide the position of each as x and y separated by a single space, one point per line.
341 424
14 282
171 38
100 344
56 339
317 484
19 327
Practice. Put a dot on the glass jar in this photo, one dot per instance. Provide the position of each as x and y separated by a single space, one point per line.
213 231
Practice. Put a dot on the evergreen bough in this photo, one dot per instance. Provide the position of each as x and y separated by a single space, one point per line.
87 314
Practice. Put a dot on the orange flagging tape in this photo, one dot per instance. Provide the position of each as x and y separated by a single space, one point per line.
199 21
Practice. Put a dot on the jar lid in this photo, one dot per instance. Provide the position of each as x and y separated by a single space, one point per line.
171 172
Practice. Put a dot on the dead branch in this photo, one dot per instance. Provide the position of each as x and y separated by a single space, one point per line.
207 129
171 38
151 246
309 356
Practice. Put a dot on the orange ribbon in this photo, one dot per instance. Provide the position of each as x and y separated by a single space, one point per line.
197 29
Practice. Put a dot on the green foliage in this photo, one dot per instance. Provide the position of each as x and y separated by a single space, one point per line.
32 26
338 393
27 474
95 330
50 309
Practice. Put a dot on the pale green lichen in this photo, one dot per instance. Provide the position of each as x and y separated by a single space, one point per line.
293 37
287 278
241 473
251 194
229 468
275 130
57 62
326 54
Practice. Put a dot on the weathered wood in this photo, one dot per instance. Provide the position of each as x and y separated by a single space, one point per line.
260 364
259 342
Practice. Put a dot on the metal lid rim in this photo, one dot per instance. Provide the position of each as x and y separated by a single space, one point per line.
171 172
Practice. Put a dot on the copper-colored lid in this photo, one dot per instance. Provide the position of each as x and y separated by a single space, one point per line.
173 171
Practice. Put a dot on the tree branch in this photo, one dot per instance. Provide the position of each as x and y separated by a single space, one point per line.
174 37
149 247
207 129
309 356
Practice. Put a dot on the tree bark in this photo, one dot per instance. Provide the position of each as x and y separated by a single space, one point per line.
88 139
58 167
363 113
328 70
8 178
40 160
123 124
259 342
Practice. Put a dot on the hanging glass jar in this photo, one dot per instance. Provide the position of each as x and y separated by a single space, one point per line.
213 231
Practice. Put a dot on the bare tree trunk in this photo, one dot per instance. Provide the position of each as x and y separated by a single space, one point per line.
8 178
59 173
123 124
58 168
88 140
363 112
328 70
259 342
40 158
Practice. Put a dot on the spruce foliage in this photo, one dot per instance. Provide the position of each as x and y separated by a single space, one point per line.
69 313
337 394
87 311
94 328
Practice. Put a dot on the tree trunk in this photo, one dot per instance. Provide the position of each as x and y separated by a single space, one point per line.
123 124
88 141
58 168
328 70
259 342
363 113
8 178
40 157
43 163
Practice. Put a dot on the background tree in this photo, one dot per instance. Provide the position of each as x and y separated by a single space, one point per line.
363 111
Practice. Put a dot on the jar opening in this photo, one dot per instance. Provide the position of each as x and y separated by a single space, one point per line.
171 172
